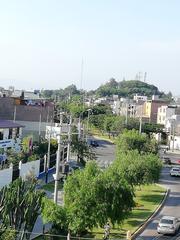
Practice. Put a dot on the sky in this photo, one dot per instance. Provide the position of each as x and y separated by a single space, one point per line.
50 44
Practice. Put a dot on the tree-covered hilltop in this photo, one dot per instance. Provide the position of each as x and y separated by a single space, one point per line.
129 89
112 87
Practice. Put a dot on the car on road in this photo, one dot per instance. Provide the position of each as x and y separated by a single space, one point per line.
94 143
168 225
175 171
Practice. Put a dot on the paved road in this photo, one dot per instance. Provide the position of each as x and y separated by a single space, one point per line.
171 207
105 153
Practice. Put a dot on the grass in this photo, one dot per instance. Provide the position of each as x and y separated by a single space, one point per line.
50 186
98 134
147 200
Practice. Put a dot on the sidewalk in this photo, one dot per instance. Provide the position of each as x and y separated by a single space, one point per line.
177 152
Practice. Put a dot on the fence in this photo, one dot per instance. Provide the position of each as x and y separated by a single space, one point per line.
36 168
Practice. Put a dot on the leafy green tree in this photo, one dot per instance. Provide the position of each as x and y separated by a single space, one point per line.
20 205
82 149
97 121
132 140
55 214
8 234
92 197
136 168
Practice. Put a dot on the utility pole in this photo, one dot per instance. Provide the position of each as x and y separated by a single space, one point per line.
140 121
48 153
173 134
126 114
79 128
69 139
14 113
56 175
39 127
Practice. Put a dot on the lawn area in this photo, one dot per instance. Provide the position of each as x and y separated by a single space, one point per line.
147 200
50 186
98 134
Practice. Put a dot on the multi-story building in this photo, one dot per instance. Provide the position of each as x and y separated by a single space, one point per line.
150 109
164 113
33 115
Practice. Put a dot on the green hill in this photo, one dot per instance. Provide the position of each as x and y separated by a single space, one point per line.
129 89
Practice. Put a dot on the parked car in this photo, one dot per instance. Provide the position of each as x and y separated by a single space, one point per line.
94 143
168 225
175 171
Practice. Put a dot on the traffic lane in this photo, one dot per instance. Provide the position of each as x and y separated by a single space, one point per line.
175 158
171 206
105 152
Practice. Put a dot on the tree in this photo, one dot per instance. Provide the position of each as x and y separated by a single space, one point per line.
20 205
136 168
81 148
8 234
55 214
131 140
92 197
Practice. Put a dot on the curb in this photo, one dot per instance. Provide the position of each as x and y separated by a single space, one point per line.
143 226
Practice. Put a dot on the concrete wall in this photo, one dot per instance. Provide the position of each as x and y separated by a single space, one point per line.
30 168
5 177
32 128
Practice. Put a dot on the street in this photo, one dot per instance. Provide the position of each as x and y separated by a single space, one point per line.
105 153
172 203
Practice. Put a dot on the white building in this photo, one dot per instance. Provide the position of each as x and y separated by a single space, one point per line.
165 113
140 98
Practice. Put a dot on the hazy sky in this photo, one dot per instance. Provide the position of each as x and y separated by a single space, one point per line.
42 42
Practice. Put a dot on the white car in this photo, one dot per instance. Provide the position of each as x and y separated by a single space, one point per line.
175 171
168 225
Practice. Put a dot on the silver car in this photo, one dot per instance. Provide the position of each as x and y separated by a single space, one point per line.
168 225
175 171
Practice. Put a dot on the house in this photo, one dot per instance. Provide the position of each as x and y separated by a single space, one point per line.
10 135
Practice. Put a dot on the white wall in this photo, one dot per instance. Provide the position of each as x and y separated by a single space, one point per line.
30 168
176 143
5 177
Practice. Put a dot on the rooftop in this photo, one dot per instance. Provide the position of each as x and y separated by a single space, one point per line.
9 124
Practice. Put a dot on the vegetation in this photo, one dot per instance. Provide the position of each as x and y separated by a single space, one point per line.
147 198
111 87
20 205
132 140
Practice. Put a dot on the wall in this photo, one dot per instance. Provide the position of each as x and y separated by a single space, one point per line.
5 177
32 128
30 167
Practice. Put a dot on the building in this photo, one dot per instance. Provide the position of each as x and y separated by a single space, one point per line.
164 113
34 117
150 109
138 98
10 135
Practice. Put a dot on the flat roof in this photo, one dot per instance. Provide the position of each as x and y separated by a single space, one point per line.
9 124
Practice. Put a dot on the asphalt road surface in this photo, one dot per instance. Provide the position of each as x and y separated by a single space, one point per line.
105 152
171 206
